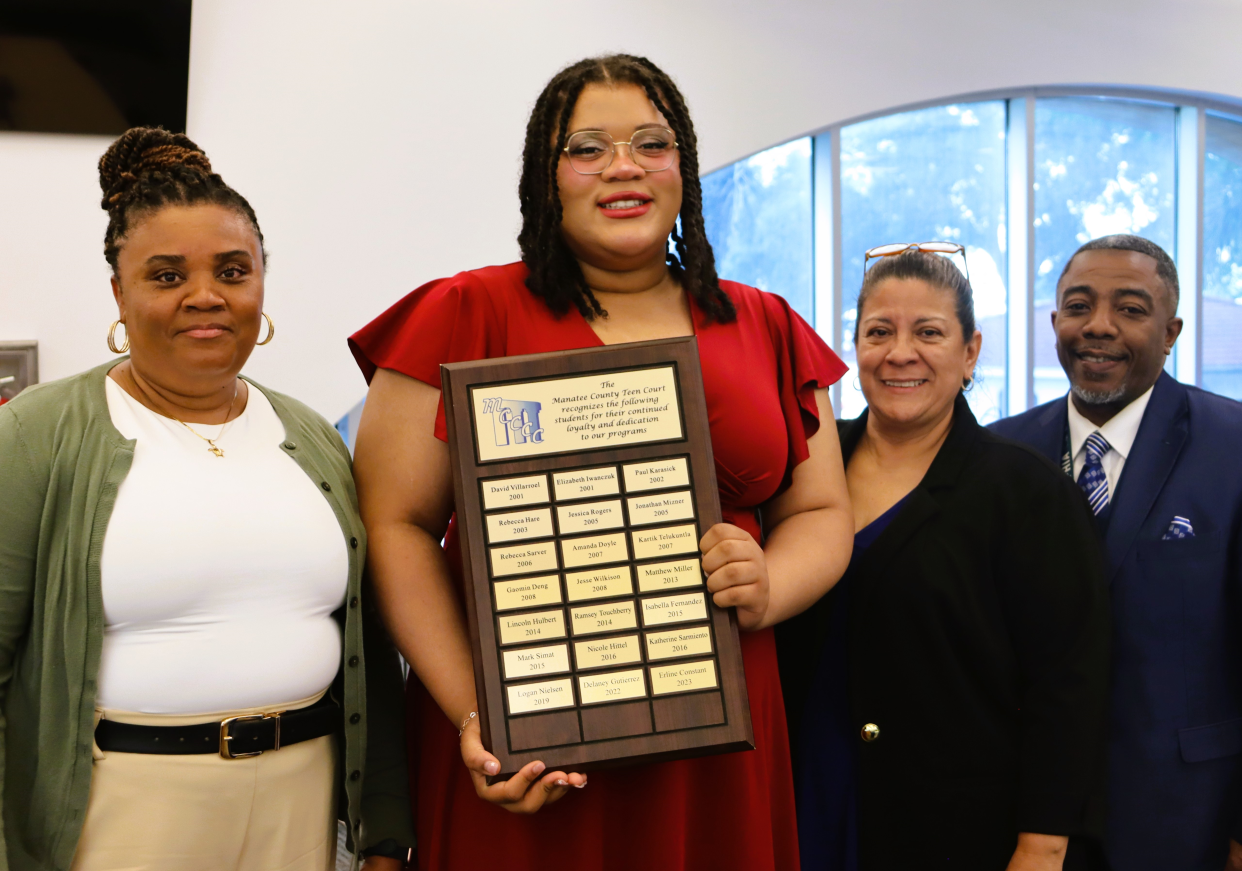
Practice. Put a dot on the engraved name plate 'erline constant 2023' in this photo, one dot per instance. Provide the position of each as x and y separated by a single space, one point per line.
584 481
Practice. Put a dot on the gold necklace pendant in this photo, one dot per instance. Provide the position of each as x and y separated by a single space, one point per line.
212 447
211 443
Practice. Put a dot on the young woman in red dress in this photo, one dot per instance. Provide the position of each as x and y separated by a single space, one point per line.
610 164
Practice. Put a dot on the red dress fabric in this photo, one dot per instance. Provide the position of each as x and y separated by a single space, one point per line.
731 811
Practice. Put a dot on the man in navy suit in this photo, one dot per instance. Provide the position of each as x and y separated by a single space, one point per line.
1161 464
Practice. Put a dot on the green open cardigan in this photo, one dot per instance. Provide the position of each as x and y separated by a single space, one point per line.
61 463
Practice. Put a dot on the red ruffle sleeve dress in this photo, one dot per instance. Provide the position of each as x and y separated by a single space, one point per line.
715 813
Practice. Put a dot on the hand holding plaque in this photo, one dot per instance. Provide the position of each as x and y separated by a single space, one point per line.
584 482
525 792
737 572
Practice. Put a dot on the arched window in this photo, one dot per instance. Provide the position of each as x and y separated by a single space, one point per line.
1021 179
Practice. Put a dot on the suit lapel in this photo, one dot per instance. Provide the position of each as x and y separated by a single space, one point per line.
1161 436
920 508
923 504
1049 438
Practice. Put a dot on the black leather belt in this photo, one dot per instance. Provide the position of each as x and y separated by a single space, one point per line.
234 738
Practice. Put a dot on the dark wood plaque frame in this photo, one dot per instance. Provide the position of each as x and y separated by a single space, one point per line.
584 737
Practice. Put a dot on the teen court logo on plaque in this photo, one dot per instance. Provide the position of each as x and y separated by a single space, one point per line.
568 415
584 481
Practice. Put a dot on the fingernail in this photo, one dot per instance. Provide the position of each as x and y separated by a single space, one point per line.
491 767
538 769
562 782
581 785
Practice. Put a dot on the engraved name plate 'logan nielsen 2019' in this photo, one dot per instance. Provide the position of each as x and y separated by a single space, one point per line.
584 481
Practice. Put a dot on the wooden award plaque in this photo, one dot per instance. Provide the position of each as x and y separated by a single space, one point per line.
584 481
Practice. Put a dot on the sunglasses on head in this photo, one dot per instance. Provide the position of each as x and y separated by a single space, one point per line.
926 247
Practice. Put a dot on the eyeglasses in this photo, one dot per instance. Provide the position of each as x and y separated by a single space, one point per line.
926 247
591 152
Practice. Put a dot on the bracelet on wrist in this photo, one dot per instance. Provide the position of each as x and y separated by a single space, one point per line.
466 722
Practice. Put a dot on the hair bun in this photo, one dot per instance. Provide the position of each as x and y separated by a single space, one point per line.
142 150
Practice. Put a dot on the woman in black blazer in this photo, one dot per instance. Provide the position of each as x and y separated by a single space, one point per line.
946 702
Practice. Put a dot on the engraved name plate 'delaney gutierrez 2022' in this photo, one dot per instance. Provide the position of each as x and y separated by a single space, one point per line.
584 481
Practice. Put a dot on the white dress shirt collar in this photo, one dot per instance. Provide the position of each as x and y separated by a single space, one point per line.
1120 431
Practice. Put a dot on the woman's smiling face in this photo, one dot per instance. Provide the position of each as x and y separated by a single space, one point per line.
621 218
912 355
189 288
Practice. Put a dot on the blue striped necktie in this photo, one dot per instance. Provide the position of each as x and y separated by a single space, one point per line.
1091 479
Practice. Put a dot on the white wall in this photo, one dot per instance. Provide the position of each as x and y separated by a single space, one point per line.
53 278
379 141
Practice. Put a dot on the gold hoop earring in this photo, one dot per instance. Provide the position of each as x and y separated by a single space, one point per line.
112 339
271 329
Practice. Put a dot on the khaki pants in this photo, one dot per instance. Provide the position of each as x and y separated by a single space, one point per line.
273 812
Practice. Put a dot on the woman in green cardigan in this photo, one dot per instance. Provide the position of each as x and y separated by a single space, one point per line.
191 673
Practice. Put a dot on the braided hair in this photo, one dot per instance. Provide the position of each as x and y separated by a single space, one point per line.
149 168
555 276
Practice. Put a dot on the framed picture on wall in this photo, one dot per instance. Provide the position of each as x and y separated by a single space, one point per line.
19 368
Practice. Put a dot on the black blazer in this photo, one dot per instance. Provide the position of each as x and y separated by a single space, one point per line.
978 643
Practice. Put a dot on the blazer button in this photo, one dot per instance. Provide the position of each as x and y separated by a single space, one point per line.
353 603
355 775
353 542
291 446
353 662
870 732
326 486
355 718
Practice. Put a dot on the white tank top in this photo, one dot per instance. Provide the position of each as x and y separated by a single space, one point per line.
219 575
